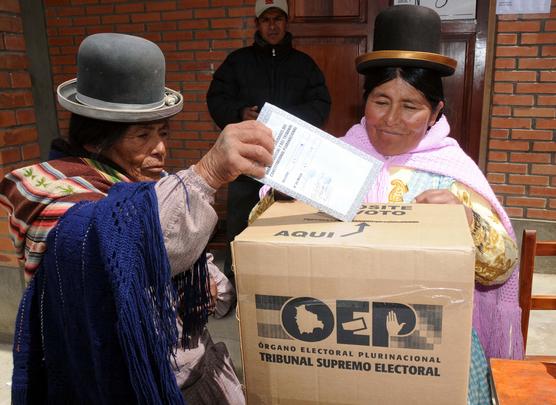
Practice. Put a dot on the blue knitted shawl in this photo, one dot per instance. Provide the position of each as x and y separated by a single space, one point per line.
97 324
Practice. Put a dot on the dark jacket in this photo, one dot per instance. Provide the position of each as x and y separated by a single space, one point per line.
280 75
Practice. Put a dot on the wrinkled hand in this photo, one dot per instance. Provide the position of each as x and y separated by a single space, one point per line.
442 197
249 113
244 148
392 325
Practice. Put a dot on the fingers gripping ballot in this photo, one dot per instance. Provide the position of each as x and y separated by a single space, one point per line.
244 148
255 149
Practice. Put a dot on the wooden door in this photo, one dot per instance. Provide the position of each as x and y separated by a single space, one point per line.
334 33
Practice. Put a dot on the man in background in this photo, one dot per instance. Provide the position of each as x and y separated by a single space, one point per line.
270 70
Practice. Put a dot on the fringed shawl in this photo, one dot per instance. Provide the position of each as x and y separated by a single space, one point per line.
496 313
103 304
97 323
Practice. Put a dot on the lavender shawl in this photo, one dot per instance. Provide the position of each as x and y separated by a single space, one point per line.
496 312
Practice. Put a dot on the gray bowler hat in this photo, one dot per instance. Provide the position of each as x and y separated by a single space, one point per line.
119 78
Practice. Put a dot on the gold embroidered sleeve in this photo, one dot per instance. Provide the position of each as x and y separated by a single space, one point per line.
496 252
263 204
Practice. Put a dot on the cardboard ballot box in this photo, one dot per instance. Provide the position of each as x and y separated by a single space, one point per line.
374 311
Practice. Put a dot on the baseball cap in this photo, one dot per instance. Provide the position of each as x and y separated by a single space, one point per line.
262 5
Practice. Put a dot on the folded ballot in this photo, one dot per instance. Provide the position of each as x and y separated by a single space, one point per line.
315 167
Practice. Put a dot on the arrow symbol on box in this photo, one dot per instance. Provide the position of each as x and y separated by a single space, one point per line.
361 227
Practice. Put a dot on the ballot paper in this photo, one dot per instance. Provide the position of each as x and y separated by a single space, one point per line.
315 167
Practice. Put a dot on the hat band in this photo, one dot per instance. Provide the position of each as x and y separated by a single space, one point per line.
410 55
94 102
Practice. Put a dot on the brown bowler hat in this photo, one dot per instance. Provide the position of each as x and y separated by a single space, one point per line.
407 35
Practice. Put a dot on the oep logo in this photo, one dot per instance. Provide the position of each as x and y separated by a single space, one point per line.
307 319
363 323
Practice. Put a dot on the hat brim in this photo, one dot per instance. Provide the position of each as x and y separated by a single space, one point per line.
444 65
67 92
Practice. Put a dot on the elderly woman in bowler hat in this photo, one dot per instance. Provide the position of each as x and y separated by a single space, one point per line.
114 247
404 127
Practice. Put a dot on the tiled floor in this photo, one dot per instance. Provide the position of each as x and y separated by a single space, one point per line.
541 336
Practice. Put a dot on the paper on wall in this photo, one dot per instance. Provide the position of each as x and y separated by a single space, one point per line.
522 6
315 167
